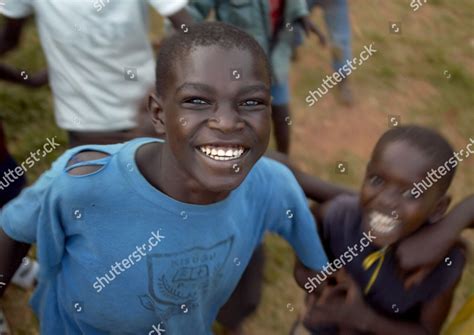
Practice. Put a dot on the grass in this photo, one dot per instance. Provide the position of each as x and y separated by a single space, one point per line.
407 77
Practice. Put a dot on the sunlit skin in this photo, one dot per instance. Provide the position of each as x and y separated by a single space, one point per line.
386 188
205 105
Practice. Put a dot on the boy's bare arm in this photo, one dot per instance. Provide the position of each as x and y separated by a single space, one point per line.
314 188
13 75
10 34
11 254
430 245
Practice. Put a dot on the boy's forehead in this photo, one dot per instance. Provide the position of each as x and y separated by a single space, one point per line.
216 64
402 158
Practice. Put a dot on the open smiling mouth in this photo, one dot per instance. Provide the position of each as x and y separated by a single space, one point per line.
381 223
222 153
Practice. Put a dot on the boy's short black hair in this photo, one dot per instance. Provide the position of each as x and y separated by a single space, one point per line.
428 141
180 44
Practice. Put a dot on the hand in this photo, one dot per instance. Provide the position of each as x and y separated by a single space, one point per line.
421 252
341 304
309 28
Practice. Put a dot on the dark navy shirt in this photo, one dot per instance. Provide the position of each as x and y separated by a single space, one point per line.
342 228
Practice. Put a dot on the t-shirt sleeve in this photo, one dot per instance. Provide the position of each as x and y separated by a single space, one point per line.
289 216
29 214
17 8
167 7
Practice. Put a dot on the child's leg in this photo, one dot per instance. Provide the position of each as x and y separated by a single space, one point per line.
336 15
247 295
281 116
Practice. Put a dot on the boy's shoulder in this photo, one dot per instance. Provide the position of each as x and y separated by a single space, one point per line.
271 168
269 171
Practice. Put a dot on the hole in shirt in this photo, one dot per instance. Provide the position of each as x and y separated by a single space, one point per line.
86 169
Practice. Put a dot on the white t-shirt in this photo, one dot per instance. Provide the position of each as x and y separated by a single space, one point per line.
100 60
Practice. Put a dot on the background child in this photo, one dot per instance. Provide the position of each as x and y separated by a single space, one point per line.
202 199
99 58
373 298
11 187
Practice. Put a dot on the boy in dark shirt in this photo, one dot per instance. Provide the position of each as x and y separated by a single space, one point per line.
373 298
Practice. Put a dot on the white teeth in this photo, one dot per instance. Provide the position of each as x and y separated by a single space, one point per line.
222 153
382 223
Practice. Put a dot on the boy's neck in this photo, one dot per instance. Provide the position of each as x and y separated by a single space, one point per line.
159 167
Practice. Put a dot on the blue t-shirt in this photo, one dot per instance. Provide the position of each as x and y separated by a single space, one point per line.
118 256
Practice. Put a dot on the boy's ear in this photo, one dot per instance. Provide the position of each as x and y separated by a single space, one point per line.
155 108
440 209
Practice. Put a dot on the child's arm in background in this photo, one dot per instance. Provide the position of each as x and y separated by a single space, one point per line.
11 34
11 254
313 187
422 251
301 273
13 75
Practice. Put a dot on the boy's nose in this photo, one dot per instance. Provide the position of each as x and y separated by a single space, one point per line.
226 119
388 199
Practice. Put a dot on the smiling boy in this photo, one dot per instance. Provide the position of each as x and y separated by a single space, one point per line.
374 299
205 188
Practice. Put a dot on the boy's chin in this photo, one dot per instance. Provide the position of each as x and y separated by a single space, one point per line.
222 184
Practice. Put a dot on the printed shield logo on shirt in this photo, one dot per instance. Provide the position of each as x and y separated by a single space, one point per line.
184 278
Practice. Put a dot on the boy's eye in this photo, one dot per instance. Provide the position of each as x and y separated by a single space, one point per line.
196 101
251 103
375 180
408 195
